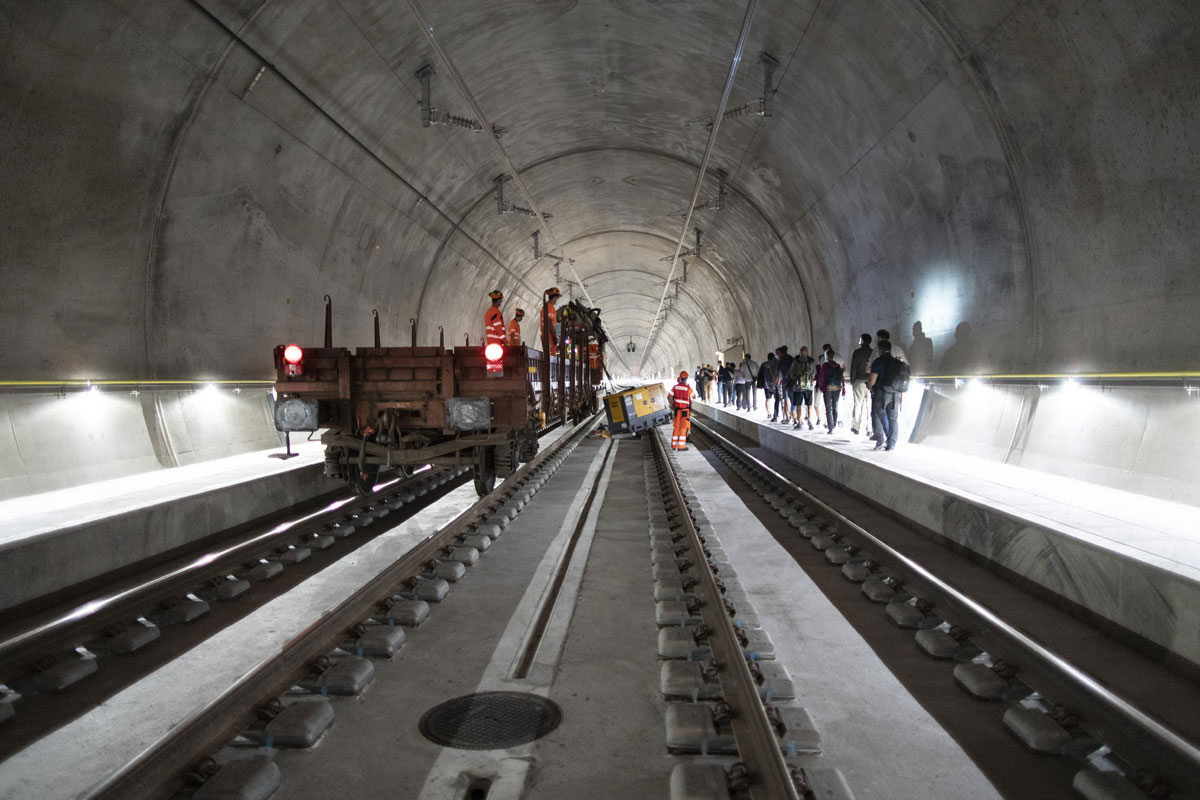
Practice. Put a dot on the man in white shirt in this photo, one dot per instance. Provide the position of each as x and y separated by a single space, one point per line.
897 351
747 372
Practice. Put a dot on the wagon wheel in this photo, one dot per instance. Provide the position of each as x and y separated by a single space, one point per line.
363 480
506 459
485 471
529 447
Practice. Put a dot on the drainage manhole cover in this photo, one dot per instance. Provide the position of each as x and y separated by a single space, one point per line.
490 720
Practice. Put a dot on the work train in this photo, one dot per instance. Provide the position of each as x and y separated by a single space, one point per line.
399 408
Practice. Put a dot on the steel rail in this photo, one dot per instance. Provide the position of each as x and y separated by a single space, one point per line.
757 743
1129 731
212 559
159 768
455 76
751 7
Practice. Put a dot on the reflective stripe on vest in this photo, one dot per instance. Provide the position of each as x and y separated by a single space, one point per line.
493 326
681 395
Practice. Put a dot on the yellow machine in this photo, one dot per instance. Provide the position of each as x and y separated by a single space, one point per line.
634 410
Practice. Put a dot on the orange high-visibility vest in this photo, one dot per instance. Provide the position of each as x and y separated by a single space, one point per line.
514 333
493 326
594 355
681 395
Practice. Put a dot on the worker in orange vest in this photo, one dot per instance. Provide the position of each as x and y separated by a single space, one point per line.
514 328
493 320
550 319
681 401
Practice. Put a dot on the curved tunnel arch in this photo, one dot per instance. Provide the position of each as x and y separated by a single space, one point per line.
905 173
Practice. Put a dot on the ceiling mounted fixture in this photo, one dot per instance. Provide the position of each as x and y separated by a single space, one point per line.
713 203
538 255
689 251
762 107
436 116
504 207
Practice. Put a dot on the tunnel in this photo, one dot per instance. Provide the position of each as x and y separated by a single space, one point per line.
1007 186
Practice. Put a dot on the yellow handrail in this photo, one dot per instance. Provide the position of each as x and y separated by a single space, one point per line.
146 382
1066 375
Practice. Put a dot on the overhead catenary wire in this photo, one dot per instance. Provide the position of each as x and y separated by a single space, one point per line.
747 20
457 78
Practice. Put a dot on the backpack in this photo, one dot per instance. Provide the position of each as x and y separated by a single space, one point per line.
901 373
833 375
801 375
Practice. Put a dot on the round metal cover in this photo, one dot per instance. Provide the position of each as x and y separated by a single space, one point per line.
490 720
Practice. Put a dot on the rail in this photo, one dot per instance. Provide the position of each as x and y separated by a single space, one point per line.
770 777
162 582
1130 732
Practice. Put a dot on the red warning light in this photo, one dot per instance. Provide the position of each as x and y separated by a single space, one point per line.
292 354
493 360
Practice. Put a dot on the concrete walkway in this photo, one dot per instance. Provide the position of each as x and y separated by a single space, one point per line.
1132 559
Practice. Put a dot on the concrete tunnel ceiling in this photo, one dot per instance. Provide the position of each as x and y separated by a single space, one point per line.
193 176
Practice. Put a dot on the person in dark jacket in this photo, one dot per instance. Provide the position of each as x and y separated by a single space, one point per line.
725 378
884 401
831 382
783 364
860 373
766 380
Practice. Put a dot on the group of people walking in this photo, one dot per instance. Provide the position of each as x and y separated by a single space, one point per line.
800 389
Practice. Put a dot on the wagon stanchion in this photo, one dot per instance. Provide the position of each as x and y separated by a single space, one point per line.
328 322
412 321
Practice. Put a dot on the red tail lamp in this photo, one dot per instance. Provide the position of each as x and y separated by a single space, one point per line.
493 356
293 357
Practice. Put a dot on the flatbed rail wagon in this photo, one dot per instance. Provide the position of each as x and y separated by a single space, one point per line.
399 408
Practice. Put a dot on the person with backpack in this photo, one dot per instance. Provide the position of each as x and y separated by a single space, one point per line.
831 381
888 382
803 375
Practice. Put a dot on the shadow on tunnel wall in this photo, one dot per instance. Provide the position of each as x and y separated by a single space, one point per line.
962 357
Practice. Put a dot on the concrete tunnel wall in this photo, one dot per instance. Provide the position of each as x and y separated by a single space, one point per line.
186 179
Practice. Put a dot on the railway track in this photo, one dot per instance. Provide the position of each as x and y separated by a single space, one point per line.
69 659
1120 747
731 723
332 655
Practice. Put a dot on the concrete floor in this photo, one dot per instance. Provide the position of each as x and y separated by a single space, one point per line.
604 671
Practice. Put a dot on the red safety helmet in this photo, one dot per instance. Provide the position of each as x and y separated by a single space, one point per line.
496 294
683 376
